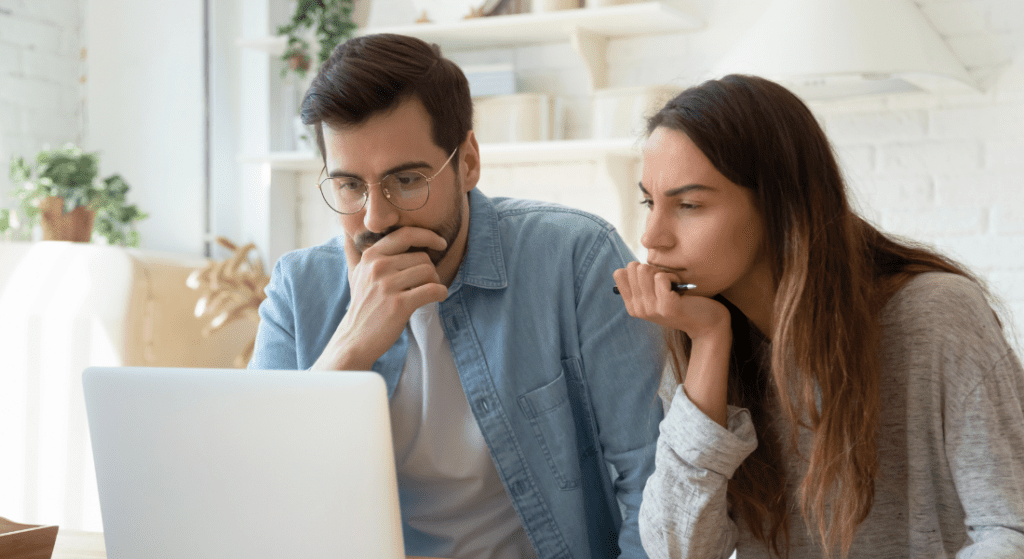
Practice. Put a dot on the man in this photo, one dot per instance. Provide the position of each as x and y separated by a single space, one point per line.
523 397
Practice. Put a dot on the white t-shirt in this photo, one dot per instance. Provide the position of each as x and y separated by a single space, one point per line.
451 493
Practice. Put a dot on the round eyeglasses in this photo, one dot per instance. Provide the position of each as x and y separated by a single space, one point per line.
405 190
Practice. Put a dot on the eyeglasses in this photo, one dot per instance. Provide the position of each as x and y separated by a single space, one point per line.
405 190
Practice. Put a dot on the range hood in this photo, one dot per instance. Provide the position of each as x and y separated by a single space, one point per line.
825 49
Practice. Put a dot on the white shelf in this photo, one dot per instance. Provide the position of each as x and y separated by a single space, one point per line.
644 18
587 29
491 154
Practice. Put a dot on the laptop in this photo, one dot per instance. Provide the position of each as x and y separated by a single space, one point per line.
229 463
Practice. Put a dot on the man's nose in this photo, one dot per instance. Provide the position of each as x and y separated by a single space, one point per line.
380 213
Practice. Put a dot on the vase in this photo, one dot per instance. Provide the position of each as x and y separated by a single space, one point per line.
75 225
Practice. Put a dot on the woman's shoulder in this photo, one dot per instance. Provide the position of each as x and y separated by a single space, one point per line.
939 316
939 298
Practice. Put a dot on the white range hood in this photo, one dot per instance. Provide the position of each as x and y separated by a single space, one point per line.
839 48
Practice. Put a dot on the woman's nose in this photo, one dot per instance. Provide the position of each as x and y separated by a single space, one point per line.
657 233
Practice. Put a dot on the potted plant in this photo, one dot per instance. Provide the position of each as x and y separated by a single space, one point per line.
332 24
62 192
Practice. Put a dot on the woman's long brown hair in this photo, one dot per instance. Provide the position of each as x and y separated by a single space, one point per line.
833 272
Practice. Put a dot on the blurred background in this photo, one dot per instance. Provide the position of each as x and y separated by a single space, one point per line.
194 103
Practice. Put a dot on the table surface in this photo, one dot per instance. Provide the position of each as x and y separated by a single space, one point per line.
74 544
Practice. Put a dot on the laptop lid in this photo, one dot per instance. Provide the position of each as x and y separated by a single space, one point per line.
228 463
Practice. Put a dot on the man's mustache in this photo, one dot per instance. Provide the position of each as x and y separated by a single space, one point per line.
366 239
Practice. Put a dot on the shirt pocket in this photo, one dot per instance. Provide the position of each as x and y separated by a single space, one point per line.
550 413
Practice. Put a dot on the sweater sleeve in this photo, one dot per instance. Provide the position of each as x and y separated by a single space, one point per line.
985 450
684 512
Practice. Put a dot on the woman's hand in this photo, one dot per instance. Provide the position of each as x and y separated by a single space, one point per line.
647 293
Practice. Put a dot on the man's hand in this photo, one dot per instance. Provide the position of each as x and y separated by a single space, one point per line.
387 283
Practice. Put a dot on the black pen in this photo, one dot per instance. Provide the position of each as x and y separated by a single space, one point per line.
676 286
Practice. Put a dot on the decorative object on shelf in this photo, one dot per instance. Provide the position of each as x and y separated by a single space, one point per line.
504 7
26 541
62 192
543 6
332 23
232 289
522 117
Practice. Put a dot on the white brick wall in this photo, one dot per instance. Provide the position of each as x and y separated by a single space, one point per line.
40 70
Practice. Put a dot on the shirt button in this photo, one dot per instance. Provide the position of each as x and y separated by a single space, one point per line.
482 405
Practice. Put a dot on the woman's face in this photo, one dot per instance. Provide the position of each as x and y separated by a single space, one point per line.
700 225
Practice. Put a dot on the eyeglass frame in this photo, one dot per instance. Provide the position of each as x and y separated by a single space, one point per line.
366 192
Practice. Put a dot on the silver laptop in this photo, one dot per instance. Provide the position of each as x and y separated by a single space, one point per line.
227 463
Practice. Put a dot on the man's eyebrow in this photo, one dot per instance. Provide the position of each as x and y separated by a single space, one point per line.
679 189
396 169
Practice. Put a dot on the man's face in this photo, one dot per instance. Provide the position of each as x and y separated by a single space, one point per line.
401 140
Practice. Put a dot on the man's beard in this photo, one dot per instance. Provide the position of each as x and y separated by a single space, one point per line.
448 230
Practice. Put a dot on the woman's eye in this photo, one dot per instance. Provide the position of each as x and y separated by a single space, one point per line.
685 206
647 203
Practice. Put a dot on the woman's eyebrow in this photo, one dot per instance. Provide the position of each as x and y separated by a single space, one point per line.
679 189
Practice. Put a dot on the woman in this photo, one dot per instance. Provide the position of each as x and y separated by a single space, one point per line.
840 392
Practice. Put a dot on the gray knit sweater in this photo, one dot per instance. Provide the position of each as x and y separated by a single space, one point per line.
950 446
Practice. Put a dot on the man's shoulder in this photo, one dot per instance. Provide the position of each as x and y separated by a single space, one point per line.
325 258
538 217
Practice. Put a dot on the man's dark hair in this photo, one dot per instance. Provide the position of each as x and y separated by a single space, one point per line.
373 74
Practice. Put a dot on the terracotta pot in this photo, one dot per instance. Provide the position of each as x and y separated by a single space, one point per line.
59 226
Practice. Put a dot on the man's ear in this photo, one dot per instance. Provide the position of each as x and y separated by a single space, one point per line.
469 162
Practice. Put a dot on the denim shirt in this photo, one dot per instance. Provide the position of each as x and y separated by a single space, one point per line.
562 381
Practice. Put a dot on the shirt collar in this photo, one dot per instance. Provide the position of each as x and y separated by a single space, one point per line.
484 264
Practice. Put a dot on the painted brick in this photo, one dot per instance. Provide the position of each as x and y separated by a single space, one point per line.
30 93
1008 286
934 221
823 108
61 125
60 12
1006 15
10 59
1004 154
956 18
990 122
1008 218
985 253
982 188
902 193
856 161
1008 87
982 49
29 33
50 66
879 126
930 157
10 118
